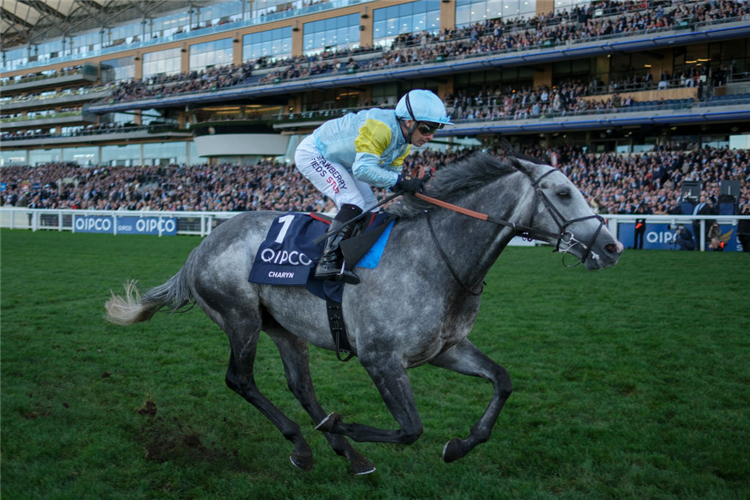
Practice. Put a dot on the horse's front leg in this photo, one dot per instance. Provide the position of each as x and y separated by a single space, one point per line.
389 376
466 358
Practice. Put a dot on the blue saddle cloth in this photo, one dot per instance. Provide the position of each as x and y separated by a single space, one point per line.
289 254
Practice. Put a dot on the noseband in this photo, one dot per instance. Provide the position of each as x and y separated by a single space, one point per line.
565 235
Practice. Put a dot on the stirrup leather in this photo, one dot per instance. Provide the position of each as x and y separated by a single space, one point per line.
331 265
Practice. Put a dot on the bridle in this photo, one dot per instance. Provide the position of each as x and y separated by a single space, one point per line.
565 235
559 219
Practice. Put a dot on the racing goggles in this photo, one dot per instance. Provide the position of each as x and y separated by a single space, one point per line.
429 128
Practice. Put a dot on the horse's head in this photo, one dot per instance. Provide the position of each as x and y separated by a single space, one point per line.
563 218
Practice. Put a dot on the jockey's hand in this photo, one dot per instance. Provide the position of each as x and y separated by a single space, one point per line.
410 185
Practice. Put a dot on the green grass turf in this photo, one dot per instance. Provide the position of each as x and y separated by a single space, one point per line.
632 382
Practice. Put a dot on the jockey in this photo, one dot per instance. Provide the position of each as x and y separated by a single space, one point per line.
345 156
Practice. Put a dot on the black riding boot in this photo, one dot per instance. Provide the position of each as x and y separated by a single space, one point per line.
331 263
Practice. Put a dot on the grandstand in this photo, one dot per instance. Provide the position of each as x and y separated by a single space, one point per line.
185 82
162 85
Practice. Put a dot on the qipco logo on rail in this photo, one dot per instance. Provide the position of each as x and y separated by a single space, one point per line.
93 224
155 226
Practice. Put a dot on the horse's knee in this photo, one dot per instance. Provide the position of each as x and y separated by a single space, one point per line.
505 392
503 383
410 435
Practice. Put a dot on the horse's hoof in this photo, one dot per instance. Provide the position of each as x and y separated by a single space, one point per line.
328 423
361 466
452 450
301 462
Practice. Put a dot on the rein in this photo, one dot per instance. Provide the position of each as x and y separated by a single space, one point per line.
526 232
529 233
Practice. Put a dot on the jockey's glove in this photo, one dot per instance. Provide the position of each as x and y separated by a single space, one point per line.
410 185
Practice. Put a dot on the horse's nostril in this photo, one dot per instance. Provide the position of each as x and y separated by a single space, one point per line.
611 248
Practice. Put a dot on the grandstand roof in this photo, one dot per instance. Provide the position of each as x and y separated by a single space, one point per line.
34 21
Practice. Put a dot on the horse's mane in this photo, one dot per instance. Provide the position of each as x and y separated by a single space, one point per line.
450 181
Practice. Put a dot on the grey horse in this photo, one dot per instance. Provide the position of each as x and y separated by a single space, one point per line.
435 261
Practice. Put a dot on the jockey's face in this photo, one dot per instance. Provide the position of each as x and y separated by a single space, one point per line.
423 133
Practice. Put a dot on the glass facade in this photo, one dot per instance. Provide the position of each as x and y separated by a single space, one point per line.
165 62
414 17
10 157
273 44
474 11
209 54
121 156
85 157
561 5
164 28
337 33
42 156
115 70
169 25
165 153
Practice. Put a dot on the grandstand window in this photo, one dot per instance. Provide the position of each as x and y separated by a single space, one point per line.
14 58
166 62
193 157
165 153
121 156
385 94
274 44
116 70
219 13
86 42
124 34
474 11
42 156
577 68
87 156
567 5
216 53
413 17
515 77
49 50
336 33
171 24
264 8
10 157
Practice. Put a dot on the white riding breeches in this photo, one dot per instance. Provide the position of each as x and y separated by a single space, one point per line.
332 179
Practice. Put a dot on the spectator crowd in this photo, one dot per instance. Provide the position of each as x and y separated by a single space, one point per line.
613 183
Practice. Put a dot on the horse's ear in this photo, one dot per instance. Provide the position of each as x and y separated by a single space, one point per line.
522 164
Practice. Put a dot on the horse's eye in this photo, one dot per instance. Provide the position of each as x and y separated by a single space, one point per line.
564 194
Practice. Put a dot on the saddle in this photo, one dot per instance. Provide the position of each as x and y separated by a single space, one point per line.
288 255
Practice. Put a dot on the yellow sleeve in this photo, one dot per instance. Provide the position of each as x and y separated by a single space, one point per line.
374 137
399 162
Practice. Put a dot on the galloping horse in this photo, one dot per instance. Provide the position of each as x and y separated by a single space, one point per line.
418 306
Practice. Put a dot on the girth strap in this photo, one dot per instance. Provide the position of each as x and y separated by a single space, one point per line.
338 330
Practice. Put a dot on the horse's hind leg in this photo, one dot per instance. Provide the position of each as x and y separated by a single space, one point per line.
295 356
243 337
466 358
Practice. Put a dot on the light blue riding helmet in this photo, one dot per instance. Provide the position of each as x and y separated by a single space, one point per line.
422 106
